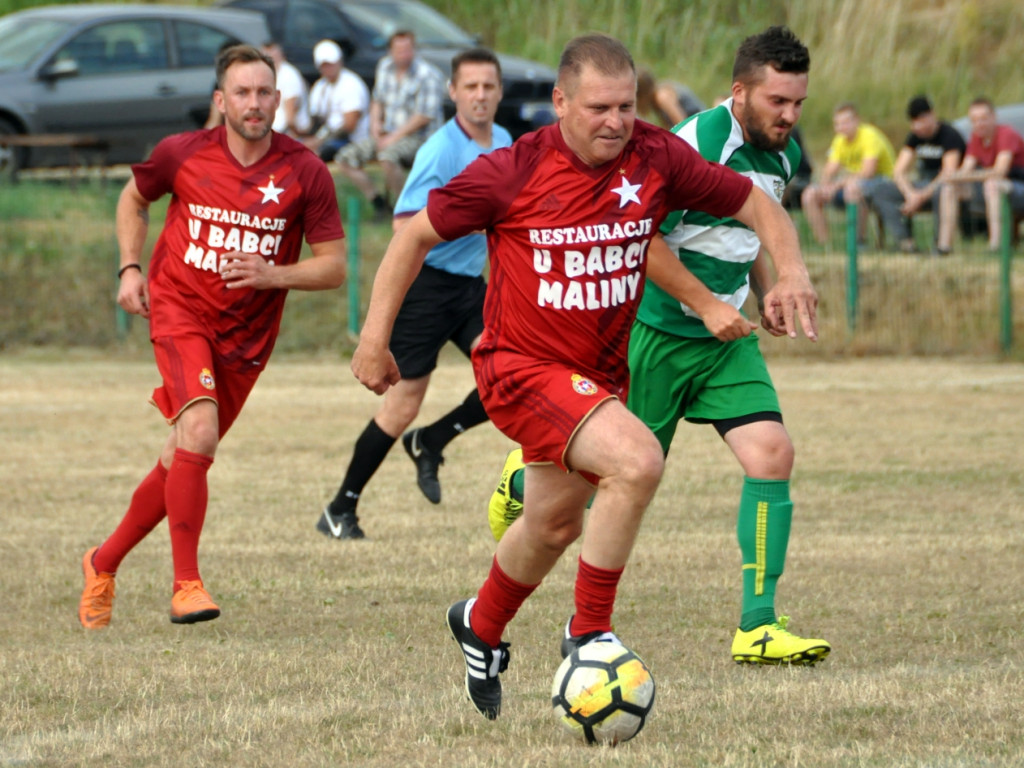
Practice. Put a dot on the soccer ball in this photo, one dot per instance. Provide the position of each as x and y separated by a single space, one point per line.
603 693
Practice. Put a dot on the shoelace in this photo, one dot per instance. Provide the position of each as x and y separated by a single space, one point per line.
194 592
782 623
101 589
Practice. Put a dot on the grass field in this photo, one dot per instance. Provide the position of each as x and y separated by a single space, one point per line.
906 554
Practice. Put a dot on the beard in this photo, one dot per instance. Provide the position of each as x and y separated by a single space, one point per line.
246 131
757 131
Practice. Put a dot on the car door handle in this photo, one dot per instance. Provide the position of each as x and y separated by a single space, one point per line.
166 90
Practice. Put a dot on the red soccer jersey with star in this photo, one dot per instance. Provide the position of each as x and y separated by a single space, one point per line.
568 243
219 206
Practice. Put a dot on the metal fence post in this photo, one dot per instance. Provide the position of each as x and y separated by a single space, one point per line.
1005 267
352 206
851 266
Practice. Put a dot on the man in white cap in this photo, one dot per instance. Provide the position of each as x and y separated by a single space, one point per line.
339 103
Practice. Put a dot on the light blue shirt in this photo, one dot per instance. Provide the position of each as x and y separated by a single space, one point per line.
440 159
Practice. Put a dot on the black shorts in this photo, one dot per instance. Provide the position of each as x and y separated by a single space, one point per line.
438 308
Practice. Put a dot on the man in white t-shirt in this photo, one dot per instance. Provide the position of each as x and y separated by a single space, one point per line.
292 116
339 103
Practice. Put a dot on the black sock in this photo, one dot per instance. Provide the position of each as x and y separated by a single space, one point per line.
379 203
371 448
466 415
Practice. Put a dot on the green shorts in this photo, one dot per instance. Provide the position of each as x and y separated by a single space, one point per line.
700 380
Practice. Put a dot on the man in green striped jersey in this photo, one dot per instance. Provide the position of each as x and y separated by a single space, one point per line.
698 360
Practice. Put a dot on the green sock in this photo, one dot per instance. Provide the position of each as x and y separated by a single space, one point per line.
762 528
518 481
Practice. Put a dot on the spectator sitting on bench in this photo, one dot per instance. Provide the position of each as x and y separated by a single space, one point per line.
859 169
993 165
938 148
405 109
339 103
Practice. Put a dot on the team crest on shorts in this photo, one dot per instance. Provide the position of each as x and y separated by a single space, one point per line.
583 386
206 378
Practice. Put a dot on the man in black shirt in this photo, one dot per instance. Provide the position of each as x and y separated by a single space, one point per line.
936 148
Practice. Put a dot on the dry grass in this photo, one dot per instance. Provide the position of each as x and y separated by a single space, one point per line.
906 554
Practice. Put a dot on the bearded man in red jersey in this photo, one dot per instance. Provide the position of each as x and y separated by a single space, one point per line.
243 198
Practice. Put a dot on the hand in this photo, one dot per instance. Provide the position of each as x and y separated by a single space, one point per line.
133 293
790 298
385 140
375 368
912 204
246 270
726 323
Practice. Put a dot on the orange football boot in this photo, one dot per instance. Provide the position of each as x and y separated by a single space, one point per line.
192 603
97 597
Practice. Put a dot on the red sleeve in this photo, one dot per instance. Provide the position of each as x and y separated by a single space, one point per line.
155 176
321 219
479 195
698 184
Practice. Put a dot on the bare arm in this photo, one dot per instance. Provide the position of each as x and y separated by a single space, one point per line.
761 281
372 362
132 225
670 274
667 100
409 127
868 168
901 171
324 270
792 295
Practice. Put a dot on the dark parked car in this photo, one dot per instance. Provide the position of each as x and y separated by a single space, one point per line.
127 74
362 28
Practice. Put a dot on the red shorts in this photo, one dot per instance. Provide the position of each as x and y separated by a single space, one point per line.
191 371
539 403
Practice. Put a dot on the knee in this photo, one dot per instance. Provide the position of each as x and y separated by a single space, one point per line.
643 467
556 535
773 459
199 437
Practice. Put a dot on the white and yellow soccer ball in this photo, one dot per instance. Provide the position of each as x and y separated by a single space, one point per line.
603 693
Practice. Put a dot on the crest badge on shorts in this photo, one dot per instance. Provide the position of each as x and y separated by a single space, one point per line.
583 385
206 378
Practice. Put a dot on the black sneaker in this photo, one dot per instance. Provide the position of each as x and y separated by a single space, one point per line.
426 462
343 526
570 643
483 663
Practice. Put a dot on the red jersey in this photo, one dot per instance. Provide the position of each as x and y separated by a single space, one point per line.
568 243
218 206
1005 140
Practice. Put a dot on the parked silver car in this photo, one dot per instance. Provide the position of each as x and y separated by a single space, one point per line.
127 74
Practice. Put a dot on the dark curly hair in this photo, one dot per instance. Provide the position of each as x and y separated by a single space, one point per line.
776 47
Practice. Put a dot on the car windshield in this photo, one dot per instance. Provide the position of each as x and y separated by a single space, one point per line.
432 30
22 40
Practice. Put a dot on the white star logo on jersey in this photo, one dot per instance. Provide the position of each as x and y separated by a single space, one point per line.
270 192
627 193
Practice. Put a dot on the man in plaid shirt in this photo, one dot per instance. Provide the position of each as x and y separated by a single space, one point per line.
405 109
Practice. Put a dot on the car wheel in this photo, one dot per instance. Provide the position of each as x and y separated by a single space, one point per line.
11 158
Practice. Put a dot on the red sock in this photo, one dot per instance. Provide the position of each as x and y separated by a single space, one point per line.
186 495
145 511
496 603
595 599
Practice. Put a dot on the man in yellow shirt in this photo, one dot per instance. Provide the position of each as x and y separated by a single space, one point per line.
858 170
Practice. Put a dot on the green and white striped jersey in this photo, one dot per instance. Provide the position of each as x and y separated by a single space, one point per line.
720 252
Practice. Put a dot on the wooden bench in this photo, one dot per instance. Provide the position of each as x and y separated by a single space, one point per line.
76 143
